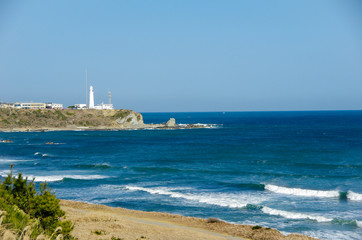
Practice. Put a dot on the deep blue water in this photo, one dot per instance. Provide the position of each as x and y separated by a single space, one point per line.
294 171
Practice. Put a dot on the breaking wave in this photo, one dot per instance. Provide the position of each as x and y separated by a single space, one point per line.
314 193
295 215
42 155
219 199
56 178
302 192
354 196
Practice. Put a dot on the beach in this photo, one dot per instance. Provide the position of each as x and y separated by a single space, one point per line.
94 221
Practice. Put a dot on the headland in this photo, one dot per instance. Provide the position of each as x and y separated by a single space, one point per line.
23 120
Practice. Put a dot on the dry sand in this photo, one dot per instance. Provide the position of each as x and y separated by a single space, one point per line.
102 222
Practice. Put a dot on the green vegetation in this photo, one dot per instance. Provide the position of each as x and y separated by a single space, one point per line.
30 212
121 114
213 220
256 227
116 238
5 121
99 232
60 115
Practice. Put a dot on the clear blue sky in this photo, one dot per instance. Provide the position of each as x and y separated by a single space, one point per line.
242 55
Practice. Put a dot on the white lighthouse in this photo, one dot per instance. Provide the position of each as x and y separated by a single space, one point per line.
91 97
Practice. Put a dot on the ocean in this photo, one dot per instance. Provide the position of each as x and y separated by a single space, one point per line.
298 172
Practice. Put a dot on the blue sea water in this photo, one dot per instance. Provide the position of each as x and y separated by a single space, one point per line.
295 171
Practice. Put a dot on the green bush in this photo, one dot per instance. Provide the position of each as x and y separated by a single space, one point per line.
5 121
256 227
27 207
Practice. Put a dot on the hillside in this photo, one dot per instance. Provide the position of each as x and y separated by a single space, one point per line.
68 119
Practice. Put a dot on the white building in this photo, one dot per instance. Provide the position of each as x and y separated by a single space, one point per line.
30 105
91 98
103 106
99 106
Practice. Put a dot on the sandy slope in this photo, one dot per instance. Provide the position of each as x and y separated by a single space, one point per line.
129 224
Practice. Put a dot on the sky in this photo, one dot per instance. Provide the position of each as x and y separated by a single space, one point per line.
181 56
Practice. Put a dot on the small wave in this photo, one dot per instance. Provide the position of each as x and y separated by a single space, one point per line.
219 199
58 178
302 192
98 166
294 215
354 196
353 223
43 155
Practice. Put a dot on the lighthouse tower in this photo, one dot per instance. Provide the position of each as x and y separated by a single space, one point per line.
91 97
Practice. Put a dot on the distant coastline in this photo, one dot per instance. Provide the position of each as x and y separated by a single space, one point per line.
31 120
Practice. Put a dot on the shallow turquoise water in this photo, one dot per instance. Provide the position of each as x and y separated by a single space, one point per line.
295 171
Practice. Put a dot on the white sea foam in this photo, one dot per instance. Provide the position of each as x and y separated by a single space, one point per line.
359 224
43 154
302 192
354 196
203 125
56 178
219 199
13 160
294 215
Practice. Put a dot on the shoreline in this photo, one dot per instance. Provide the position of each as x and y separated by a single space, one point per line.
94 221
146 127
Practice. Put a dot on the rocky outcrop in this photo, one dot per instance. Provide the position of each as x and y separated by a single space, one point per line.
131 119
171 123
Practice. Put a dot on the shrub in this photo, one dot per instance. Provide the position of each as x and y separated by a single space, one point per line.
213 220
27 207
121 114
99 232
256 227
116 238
